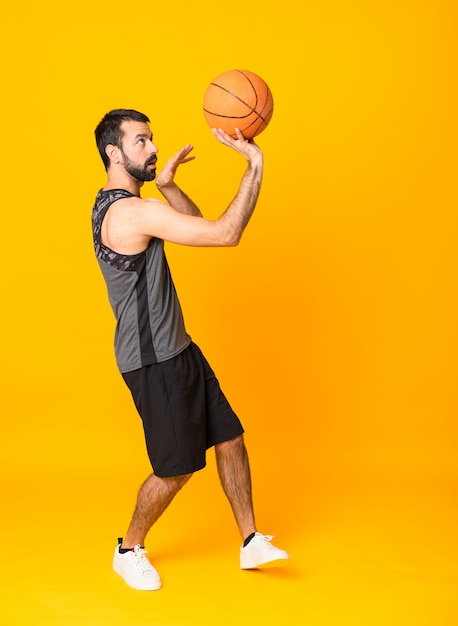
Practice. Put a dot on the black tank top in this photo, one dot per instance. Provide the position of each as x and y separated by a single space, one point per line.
149 321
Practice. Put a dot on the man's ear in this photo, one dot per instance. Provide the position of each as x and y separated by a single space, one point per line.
113 153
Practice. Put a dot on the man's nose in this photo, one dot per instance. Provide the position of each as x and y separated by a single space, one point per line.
152 147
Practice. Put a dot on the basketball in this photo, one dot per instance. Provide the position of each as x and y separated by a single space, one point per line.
238 99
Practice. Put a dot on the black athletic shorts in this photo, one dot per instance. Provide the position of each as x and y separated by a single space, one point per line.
184 411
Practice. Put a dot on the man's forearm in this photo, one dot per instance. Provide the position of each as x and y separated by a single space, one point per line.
179 200
236 217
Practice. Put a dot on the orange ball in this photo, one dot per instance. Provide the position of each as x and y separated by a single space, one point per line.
238 99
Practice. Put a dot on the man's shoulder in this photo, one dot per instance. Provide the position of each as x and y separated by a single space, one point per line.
134 204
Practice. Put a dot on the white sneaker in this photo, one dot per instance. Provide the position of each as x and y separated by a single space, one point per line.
261 553
136 570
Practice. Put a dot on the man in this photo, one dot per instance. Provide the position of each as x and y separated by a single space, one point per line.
183 409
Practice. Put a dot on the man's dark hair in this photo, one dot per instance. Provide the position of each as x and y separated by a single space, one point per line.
109 130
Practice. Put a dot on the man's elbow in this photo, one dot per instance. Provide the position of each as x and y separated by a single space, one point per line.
228 236
230 240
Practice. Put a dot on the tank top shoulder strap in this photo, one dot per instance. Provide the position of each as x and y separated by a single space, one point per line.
103 202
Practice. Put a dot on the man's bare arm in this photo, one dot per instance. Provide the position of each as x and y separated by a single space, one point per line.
172 193
154 218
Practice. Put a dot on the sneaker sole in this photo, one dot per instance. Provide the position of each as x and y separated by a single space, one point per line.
267 565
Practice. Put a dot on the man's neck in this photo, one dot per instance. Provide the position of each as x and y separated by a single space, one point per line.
123 181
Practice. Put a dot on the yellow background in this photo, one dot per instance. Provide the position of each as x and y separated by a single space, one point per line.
332 327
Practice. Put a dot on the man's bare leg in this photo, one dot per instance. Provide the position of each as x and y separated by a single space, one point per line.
153 498
234 472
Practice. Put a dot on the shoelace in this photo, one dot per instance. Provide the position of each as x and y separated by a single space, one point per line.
141 562
268 539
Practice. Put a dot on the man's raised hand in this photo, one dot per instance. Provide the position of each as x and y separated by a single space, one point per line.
167 174
246 147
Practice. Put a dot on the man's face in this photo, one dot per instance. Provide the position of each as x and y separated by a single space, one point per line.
138 151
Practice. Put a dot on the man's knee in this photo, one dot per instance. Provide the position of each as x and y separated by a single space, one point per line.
181 480
231 445
174 482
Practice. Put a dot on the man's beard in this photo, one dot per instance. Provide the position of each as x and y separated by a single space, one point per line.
143 174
